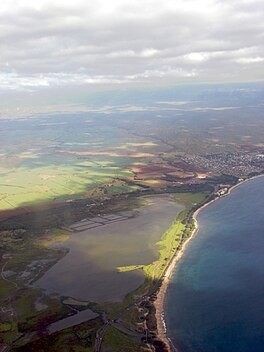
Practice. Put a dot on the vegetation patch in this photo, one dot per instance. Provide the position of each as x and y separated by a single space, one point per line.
123 269
117 341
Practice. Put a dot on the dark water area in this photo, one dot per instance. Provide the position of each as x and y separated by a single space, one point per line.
215 302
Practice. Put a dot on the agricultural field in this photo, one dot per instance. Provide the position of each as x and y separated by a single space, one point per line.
62 158
53 183
53 158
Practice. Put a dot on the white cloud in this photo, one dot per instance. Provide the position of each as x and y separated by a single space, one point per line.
250 60
196 57
47 42
149 52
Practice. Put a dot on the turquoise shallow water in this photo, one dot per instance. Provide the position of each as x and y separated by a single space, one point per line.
215 302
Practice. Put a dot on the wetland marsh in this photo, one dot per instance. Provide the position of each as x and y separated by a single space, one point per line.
89 271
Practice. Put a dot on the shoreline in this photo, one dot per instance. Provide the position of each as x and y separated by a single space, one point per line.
160 298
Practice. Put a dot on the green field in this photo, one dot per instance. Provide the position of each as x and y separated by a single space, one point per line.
54 159
24 187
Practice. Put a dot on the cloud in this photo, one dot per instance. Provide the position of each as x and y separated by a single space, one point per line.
62 42
250 60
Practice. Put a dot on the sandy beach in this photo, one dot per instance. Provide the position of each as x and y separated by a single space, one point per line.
159 302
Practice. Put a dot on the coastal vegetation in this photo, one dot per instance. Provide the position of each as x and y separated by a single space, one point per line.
121 341
181 228
170 243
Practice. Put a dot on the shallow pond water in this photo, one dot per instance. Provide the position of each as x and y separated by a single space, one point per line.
89 270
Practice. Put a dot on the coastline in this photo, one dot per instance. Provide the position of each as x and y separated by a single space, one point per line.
160 298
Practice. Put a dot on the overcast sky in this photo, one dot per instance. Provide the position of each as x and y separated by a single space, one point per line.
69 42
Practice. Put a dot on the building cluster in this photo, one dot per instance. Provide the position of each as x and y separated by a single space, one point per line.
235 164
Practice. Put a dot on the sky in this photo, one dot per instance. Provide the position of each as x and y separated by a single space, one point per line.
64 43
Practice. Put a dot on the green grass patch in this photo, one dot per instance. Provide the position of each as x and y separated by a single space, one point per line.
123 269
190 199
24 302
80 338
6 289
117 341
5 327
29 186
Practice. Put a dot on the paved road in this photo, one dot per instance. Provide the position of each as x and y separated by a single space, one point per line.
100 337
101 334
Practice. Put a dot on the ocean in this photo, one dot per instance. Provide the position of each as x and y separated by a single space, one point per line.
215 301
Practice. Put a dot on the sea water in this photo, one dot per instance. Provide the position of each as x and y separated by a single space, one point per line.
215 301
